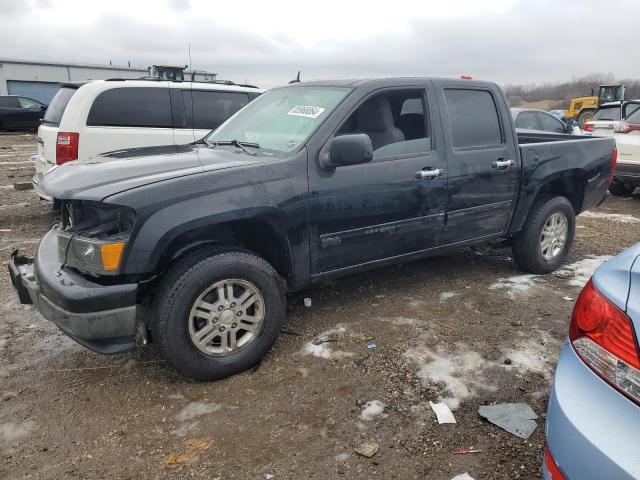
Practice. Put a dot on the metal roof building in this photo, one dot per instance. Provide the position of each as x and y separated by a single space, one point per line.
39 79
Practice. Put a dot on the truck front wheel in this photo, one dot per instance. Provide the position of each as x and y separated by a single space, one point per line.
546 238
218 313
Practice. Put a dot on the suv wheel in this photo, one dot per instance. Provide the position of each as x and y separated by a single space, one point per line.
620 189
218 313
546 238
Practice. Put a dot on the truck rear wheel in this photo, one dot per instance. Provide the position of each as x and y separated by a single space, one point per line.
546 238
218 313
620 189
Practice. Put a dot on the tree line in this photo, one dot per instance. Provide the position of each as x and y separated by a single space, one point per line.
559 94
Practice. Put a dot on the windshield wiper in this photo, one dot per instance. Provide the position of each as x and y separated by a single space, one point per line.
235 143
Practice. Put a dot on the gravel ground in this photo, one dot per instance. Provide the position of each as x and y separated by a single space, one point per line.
467 328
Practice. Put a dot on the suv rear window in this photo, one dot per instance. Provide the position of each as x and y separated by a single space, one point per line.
607 114
474 118
131 107
211 108
58 105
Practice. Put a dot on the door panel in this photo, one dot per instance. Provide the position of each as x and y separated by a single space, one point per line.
385 208
484 171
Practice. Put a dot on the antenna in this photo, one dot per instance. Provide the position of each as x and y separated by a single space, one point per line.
297 79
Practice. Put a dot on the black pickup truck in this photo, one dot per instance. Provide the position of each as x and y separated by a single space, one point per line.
195 246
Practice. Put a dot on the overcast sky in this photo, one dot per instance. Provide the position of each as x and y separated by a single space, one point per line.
266 42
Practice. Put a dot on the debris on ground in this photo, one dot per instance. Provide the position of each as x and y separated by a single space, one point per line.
194 448
464 476
368 449
465 451
307 302
22 185
371 410
371 346
568 299
325 338
443 413
518 419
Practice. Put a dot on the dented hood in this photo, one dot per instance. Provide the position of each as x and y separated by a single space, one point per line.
99 177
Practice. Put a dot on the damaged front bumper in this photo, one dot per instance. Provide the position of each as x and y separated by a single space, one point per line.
99 317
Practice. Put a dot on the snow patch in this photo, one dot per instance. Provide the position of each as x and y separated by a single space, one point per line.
371 410
615 217
197 409
184 429
582 270
444 296
515 284
534 355
324 351
321 346
460 371
12 432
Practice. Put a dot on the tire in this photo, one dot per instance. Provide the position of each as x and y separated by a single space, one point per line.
584 116
620 189
184 286
527 244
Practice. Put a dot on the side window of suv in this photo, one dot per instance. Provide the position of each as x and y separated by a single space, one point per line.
474 118
211 108
131 107
396 122
550 123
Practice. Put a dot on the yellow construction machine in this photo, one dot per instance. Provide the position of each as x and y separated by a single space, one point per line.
581 109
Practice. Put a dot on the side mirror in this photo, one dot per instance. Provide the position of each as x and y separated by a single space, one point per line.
43 108
350 149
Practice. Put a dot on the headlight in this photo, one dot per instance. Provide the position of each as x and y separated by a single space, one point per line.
94 236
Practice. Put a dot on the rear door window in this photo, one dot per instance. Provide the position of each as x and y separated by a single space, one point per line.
474 118
28 103
527 120
8 102
148 107
58 105
611 114
211 108
551 124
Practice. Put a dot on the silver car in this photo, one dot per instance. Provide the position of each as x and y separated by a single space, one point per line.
593 422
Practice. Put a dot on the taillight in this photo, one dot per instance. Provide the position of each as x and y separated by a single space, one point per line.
552 467
614 162
588 127
625 127
67 147
603 336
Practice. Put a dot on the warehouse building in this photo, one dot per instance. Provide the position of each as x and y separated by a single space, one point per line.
39 80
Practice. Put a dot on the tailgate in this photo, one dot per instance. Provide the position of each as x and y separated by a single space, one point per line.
47 136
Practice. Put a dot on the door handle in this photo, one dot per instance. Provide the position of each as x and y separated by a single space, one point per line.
428 174
501 164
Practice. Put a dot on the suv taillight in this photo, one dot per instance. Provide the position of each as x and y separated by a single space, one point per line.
603 336
67 147
588 127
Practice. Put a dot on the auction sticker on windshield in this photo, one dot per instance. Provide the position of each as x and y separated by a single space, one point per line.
306 111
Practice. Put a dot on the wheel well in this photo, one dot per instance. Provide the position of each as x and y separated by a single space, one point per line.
261 236
571 187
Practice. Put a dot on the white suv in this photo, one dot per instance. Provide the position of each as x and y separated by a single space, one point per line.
85 120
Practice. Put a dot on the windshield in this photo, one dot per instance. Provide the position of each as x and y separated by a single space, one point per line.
280 120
